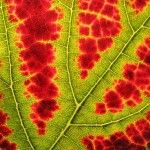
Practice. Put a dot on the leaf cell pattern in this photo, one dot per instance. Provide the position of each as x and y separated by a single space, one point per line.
74 74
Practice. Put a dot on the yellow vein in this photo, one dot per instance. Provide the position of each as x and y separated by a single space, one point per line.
69 78
127 16
67 53
11 79
111 122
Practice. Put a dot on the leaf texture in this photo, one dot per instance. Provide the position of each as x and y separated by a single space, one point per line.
74 74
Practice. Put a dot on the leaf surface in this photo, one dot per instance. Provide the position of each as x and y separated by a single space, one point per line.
56 101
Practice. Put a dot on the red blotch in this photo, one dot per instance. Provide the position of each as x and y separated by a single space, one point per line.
111 11
84 30
88 143
84 74
42 29
98 30
131 103
125 89
129 70
5 144
144 54
38 25
87 61
88 45
113 101
96 5
84 4
4 130
86 18
3 117
100 108
133 133
104 43
139 5
45 108
147 42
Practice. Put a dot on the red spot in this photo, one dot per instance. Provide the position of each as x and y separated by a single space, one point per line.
126 89
88 46
6 145
133 133
49 71
87 61
86 18
144 53
113 101
38 26
148 116
129 71
84 30
147 42
131 103
45 108
100 108
135 137
104 43
3 117
88 143
139 5
84 74
111 11
96 5
5 131
83 4
98 29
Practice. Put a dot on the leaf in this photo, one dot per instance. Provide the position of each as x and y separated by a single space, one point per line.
73 77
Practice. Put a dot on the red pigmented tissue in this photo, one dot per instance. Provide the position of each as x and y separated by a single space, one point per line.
139 5
135 137
128 90
5 144
99 22
39 26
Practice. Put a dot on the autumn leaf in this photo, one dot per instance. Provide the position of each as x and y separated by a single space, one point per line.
74 74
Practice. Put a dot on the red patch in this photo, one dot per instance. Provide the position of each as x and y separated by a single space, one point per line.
135 137
113 101
136 81
39 25
139 5
5 144
104 43
100 108
98 31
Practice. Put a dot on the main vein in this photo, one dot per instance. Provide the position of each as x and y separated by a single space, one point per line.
11 78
